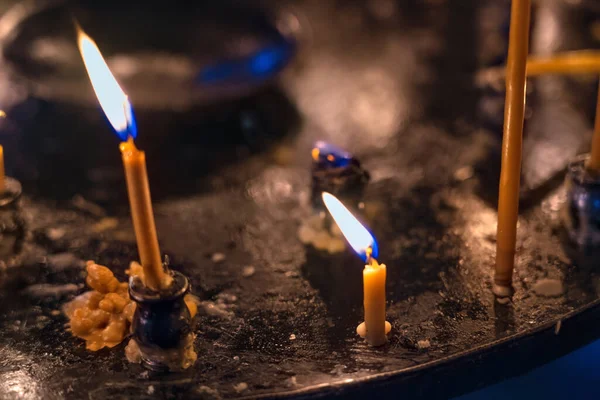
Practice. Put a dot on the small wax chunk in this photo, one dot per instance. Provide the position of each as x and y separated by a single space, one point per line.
101 317
100 278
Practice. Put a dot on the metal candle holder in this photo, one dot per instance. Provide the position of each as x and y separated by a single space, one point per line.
581 213
337 172
162 322
12 224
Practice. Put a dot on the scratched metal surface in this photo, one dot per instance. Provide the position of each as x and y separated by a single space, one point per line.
392 82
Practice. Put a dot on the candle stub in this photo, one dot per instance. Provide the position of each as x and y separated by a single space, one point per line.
375 328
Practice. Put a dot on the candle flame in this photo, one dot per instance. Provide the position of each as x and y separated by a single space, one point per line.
113 100
361 240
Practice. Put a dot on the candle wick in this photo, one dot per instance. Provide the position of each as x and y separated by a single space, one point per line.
369 252
372 262
128 118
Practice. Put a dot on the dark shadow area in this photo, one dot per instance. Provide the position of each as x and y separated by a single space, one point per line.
69 150
504 319
451 96
580 287
339 280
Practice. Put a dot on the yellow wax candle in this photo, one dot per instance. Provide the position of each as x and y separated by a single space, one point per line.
569 62
510 174
579 62
116 105
375 328
138 189
2 183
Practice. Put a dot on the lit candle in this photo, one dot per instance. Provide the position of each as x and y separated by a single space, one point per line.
118 110
375 328
510 174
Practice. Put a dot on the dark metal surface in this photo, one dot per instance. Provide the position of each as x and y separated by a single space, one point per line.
393 83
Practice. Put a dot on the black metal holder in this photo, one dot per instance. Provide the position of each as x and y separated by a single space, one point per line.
12 224
162 322
337 172
581 213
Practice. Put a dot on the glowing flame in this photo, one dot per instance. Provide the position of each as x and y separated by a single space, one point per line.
356 234
112 99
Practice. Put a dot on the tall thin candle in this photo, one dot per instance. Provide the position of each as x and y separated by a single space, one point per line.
510 175
569 62
2 180
118 110
134 162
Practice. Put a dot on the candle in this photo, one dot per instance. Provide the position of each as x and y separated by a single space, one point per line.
2 183
569 62
594 161
138 189
510 175
375 328
119 112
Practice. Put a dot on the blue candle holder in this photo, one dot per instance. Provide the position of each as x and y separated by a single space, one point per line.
162 324
581 213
